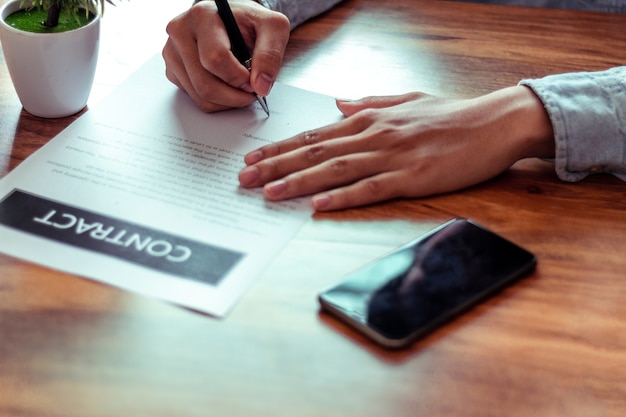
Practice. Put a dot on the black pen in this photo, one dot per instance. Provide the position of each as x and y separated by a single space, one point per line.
237 44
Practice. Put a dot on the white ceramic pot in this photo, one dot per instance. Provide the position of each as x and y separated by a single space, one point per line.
52 72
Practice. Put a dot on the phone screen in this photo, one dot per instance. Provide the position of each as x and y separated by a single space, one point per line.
421 285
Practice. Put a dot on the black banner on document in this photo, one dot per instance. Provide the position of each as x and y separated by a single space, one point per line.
131 242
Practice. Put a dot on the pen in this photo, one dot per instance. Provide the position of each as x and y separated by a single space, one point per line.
237 44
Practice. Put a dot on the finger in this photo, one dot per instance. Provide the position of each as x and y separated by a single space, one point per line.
177 73
180 43
382 187
268 52
351 107
212 94
270 169
173 65
215 54
218 77
334 173
207 92
423 179
284 146
349 126
343 128
358 150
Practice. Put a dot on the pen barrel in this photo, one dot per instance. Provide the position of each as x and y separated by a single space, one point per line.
237 43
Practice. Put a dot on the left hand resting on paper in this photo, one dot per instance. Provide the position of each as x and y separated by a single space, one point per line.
412 145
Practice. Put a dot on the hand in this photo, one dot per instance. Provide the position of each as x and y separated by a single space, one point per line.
199 61
412 145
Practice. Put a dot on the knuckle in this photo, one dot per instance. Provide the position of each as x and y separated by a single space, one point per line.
366 118
212 95
214 58
279 21
204 91
209 107
374 187
175 26
271 57
309 137
171 27
197 12
315 153
339 167
173 78
367 115
271 167
295 181
276 148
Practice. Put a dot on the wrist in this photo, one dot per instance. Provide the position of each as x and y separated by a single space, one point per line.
536 126
519 114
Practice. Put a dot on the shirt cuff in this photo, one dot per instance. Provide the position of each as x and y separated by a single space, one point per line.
588 115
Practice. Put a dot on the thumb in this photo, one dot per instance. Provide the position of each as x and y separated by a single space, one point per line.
350 107
269 48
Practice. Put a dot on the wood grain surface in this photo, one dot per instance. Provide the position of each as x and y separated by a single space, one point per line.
552 345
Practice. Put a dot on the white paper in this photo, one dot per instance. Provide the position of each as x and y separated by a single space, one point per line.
143 177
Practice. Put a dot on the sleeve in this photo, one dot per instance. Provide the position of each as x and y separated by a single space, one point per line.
588 115
298 11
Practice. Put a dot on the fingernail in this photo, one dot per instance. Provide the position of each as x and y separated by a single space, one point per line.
249 175
253 157
264 83
276 188
247 88
320 201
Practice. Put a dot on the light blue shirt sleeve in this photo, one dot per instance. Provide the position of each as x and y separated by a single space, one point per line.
612 6
299 11
588 114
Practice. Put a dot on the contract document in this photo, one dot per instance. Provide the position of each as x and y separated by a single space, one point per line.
141 192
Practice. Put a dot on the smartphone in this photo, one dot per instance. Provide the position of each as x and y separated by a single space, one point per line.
425 283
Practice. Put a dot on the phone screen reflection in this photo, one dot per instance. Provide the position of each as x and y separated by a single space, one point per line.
424 283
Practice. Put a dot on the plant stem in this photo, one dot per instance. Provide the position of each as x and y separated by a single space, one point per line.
53 16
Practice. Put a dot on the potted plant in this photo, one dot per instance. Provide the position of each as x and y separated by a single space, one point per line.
51 51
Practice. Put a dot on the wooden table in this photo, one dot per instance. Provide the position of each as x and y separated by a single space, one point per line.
552 345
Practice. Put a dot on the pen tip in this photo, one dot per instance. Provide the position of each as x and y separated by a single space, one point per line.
263 102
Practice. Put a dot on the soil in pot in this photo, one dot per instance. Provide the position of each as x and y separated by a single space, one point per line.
31 21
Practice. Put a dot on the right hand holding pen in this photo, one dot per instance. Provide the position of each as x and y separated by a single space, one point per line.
199 61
